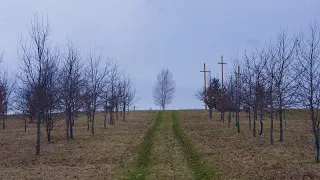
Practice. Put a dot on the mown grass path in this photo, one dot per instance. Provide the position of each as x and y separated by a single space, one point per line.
143 162
166 153
168 161
194 159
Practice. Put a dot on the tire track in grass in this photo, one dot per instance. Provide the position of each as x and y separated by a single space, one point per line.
194 158
168 160
142 165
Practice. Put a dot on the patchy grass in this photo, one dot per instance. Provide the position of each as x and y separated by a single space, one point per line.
161 149
87 156
142 166
167 157
242 156
194 158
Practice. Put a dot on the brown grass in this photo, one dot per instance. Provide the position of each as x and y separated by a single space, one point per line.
167 155
99 156
110 154
242 156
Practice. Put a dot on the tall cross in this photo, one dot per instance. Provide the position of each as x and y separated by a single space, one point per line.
238 74
205 83
222 63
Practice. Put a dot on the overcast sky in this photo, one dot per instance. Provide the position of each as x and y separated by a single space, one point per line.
148 35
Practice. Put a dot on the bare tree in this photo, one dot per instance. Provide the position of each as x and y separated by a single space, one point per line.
118 96
164 90
231 96
6 89
270 83
111 95
70 85
38 63
309 81
3 95
255 66
95 76
246 91
86 106
51 96
128 94
25 102
285 53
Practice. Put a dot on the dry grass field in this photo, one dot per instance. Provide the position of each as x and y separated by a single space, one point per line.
114 153
99 156
242 156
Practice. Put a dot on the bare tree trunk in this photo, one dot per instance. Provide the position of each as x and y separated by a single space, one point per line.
71 129
92 123
25 125
315 126
281 124
313 121
105 122
117 112
222 116
48 127
70 122
48 134
111 117
249 119
38 133
210 113
238 120
3 121
124 113
67 129
254 122
74 116
271 125
317 149
261 122
284 118
88 117
229 119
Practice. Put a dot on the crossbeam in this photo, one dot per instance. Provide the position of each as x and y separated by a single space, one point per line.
205 84
222 63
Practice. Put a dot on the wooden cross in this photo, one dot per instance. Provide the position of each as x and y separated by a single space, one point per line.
222 63
205 83
238 74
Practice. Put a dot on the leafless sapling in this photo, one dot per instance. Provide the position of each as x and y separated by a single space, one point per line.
164 89
111 95
34 58
71 83
284 80
255 64
95 76
308 71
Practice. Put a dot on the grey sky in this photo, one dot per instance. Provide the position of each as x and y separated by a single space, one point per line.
148 35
